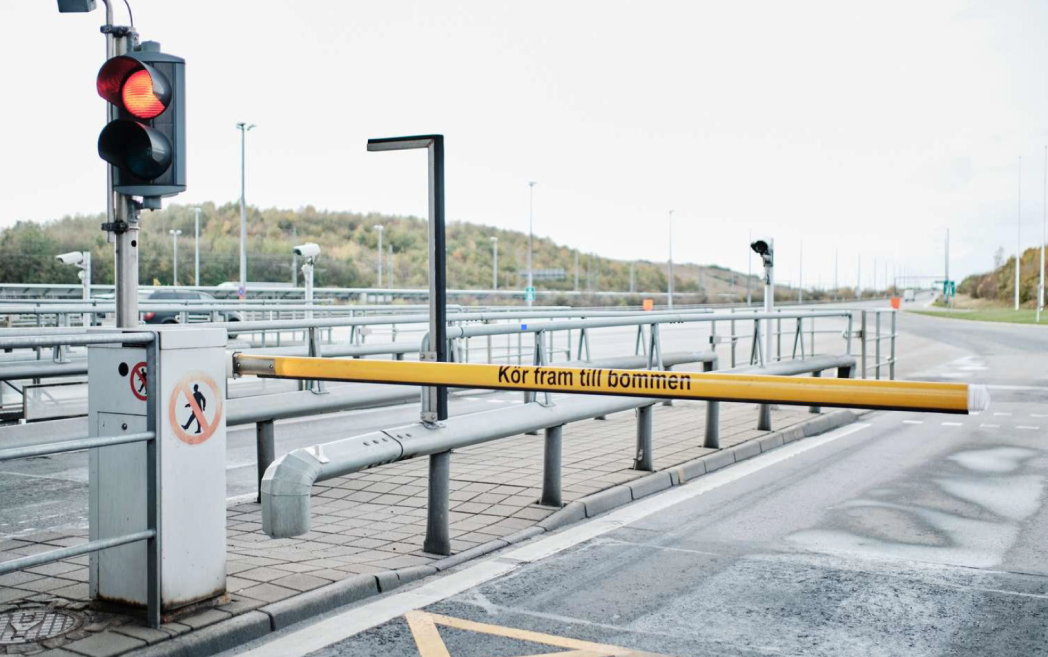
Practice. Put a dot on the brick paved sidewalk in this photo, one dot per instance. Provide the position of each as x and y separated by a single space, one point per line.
374 521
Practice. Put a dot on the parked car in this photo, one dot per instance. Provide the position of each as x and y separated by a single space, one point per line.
174 316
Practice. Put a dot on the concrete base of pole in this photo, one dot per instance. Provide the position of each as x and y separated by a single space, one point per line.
438 533
551 495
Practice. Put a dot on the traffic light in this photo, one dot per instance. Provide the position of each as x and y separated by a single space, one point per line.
146 142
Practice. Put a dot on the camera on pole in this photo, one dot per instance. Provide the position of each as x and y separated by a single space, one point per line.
146 142
765 248
309 251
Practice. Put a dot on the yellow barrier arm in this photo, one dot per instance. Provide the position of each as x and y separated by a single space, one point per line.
848 393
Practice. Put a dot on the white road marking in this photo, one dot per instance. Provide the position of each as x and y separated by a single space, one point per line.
1038 415
913 421
1002 414
953 424
990 426
1027 427
1004 387
496 401
355 620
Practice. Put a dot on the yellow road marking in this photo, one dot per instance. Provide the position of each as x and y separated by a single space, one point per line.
802 391
429 643
427 638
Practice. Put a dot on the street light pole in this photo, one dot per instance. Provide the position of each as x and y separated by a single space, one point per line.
379 228
858 278
1018 235
836 285
1044 236
174 244
669 289
196 250
749 272
531 230
800 277
243 128
494 263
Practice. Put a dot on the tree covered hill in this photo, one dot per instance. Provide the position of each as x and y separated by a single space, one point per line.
999 284
349 245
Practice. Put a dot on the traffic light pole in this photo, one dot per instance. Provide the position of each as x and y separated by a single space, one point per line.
121 214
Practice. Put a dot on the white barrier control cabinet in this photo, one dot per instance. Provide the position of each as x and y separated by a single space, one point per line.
191 450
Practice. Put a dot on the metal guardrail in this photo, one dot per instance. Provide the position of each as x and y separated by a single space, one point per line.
300 404
287 483
877 338
152 532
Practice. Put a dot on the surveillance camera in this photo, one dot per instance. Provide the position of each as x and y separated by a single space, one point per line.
308 250
71 258
765 249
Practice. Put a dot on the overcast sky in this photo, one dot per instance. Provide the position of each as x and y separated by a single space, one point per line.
866 127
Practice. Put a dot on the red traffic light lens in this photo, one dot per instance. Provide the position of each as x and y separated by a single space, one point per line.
139 99
134 86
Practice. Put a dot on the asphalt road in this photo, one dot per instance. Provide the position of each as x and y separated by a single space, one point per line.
908 533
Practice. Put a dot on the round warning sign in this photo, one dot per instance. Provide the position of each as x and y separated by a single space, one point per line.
195 410
138 381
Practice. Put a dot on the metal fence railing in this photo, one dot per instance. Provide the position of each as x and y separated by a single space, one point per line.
151 533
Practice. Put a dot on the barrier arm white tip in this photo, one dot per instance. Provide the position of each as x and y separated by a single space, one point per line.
978 398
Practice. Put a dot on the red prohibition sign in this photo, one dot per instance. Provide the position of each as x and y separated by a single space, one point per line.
138 381
188 395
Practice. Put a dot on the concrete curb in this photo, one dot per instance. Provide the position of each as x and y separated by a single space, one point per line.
213 639
279 615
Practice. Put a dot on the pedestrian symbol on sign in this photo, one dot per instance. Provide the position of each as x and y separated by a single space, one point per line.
196 400
201 405
138 381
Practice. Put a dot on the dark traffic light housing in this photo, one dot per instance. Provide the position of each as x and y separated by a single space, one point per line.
146 142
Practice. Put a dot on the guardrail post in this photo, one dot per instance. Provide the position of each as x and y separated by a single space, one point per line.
891 365
712 438
551 466
756 353
848 336
734 339
153 412
862 344
815 409
265 450
764 418
778 338
668 402
644 459
438 534
584 350
877 348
